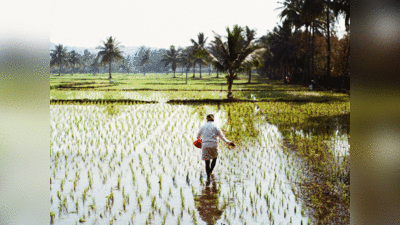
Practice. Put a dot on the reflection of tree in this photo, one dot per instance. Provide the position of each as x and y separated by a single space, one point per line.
207 203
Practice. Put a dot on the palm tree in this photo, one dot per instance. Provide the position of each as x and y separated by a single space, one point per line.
197 46
94 66
186 59
110 52
145 59
238 50
59 57
172 57
74 60
311 13
87 56
292 12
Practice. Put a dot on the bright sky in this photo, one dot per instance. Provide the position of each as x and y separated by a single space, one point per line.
156 23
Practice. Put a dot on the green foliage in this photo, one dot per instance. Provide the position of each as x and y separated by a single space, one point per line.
111 109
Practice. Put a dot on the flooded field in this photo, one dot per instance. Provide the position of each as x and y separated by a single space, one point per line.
137 164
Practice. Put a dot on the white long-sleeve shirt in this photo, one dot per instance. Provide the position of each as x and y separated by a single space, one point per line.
209 133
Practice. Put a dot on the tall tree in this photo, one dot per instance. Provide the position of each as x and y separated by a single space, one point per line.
342 7
74 60
172 57
110 52
87 58
312 12
59 57
145 58
186 59
239 49
95 66
197 46
125 64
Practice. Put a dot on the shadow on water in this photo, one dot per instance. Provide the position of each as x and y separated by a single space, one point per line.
328 125
207 203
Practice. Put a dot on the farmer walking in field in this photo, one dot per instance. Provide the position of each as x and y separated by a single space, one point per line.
209 133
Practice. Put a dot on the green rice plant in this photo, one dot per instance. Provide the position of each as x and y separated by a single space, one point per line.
119 182
153 201
62 185
77 205
93 205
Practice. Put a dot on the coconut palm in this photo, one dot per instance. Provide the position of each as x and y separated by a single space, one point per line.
291 12
74 60
240 49
197 46
59 57
186 59
172 57
86 58
145 58
110 52
94 66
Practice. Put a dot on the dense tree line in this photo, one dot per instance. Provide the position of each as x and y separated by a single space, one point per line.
302 49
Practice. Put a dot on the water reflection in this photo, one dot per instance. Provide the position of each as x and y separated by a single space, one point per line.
207 203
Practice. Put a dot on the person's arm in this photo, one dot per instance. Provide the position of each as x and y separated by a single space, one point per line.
222 136
199 133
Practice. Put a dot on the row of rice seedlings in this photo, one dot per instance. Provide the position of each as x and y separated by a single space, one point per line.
313 128
179 171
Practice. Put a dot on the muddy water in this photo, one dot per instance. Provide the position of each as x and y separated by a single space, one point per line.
154 144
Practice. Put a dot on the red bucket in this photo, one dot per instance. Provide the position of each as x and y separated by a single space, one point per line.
197 143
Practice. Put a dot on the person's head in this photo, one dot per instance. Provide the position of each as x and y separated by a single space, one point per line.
210 117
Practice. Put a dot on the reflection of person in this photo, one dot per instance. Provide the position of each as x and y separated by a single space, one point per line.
207 204
209 133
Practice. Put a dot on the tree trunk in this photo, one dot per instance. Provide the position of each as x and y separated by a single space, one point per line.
249 73
109 76
217 73
312 53
328 63
200 70
230 83
347 64
59 69
174 73
194 69
186 76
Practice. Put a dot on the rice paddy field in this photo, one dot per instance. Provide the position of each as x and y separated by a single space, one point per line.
135 163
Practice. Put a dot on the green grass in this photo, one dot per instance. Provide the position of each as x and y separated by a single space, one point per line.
159 87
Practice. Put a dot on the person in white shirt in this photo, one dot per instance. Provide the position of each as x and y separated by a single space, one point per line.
209 145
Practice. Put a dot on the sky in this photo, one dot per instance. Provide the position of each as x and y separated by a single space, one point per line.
155 23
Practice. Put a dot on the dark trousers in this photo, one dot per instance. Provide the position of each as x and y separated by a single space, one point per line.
208 169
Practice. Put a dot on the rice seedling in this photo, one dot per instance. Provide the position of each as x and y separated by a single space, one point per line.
257 181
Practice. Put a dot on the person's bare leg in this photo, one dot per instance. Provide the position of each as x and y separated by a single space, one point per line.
208 169
213 165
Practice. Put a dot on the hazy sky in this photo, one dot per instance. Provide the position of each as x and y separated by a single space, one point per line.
156 23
